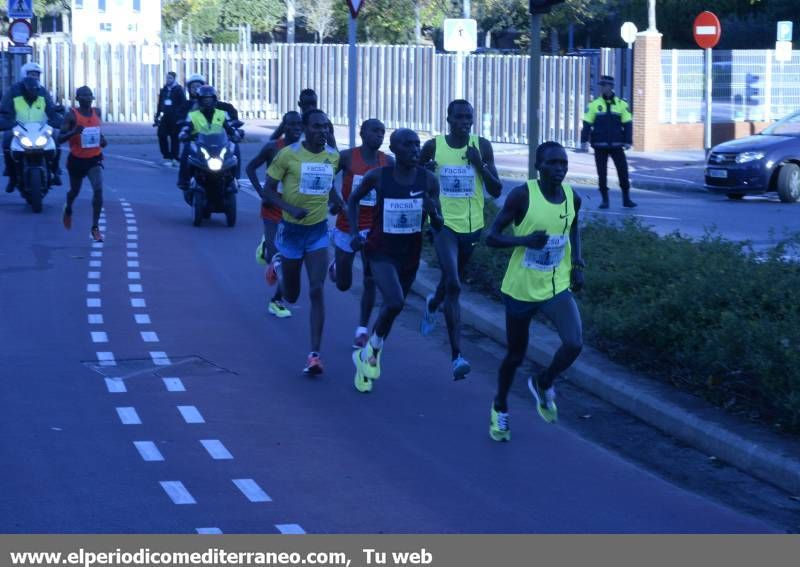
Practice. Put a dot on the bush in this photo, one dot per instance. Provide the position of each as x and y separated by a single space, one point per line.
706 315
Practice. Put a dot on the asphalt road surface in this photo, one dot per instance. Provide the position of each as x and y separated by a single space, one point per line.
146 389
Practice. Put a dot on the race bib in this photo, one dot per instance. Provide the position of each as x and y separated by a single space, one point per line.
457 181
370 199
316 178
168 102
90 138
547 258
402 216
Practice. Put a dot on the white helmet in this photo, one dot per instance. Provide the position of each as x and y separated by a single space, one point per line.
196 78
28 67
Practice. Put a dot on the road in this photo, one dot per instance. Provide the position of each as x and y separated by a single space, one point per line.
145 389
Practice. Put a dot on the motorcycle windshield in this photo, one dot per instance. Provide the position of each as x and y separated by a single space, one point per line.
213 142
33 128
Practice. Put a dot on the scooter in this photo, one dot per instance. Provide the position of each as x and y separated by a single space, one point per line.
213 186
32 149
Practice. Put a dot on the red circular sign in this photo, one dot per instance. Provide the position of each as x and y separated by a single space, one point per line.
20 32
707 30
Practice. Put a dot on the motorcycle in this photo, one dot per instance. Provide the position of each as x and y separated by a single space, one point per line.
213 186
32 149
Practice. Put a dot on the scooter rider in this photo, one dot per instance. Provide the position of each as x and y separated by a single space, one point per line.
206 118
27 100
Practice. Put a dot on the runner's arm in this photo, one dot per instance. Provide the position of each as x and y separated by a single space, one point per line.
427 154
68 128
263 156
271 198
369 183
514 209
578 264
431 204
484 164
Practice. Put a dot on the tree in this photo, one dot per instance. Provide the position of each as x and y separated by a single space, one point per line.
262 16
319 16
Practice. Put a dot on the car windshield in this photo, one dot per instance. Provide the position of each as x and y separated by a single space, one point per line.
789 126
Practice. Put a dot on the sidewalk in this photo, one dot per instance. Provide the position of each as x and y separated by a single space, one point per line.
664 171
750 447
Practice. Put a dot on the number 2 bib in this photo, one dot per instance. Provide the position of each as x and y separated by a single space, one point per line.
457 181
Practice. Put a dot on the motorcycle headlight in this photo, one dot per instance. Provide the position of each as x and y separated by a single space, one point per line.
25 141
205 153
41 141
749 156
214 164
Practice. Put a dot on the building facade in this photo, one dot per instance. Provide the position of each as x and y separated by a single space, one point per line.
116 21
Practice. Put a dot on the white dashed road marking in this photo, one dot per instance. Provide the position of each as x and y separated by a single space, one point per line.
216 449
134 275
93 288
173 385
128 416
135 288
99 337
208 531
148 451
177 492
106 359
288 529
93 275
191 414
95 319
94 302
251 490
142 319
115 386
160 358
149 336
138 302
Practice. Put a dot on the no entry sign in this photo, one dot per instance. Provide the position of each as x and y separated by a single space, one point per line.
707 30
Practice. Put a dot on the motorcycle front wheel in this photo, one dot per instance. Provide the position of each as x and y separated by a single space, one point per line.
198 207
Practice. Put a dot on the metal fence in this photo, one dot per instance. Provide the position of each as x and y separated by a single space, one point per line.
747 85
402 85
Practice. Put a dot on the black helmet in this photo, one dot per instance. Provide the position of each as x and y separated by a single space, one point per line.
207 96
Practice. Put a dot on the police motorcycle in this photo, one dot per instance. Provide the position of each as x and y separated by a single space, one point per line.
32 149
213 163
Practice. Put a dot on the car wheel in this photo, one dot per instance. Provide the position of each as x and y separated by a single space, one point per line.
789 183
735 196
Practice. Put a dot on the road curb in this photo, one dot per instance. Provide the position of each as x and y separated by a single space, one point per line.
589 179
751 448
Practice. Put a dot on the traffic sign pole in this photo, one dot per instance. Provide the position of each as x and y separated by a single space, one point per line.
534 78
707 31
352 70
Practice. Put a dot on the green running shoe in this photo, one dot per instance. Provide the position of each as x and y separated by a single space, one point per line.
545 401
361 382
260 252
498 425
370 368
278 309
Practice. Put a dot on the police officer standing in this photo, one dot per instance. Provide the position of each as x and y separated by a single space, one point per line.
608 126
170 100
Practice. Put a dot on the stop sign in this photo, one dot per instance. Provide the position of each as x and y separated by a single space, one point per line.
707 30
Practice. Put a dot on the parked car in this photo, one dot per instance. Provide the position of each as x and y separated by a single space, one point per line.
766 162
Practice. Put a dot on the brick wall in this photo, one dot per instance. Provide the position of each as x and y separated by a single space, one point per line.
646 91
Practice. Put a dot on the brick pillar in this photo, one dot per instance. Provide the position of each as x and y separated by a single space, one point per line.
647 91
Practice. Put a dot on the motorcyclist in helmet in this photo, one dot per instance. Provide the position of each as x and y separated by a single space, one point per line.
205 118
27 99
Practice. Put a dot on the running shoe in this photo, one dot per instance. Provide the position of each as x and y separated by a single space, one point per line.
545 400
167 163
332 271
175 163
371 367
498 425
260 256
460 368
428 322
96 235
313 364
66 218
361 382
361 340
277 308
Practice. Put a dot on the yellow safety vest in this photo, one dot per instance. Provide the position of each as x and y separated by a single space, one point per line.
539 275
30 112
200 125
460 187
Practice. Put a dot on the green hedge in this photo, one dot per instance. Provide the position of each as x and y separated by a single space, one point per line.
705 314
